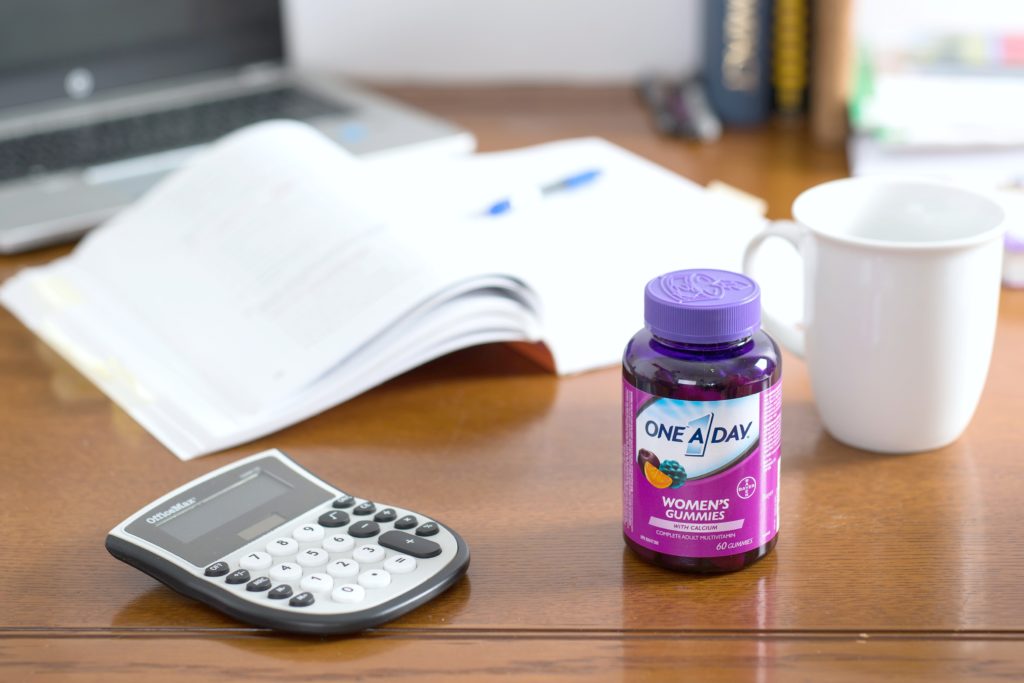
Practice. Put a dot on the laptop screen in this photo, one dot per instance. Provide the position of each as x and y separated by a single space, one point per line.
71 49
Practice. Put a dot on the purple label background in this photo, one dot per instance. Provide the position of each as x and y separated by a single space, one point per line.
759 512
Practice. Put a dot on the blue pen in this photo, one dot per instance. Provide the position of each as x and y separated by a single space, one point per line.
508 203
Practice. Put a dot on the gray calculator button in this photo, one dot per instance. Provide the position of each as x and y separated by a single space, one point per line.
409 544
333 518
280 592
364 508
407 522
302 600
218 569
364 529
428 529
258 584
385 515
238 576
344 502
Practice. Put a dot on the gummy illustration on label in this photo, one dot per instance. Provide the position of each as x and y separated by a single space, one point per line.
700 478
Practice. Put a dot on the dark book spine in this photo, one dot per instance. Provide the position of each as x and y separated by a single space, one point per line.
737 60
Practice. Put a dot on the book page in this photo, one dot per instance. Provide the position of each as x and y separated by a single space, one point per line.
587 252
590 252
264 263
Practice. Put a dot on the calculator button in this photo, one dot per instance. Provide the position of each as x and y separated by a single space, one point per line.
302 600
308 533
343 569
409 544
238 576
282 547
313 557
348 593
364 508
385 515
344 502
400 564
333 518
428 529
317 583
280 592
338 543
364 529
369 554
375 578
255 561
261 583
286 572
407 522
217 569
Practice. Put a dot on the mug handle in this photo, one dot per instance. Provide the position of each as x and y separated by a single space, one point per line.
790 336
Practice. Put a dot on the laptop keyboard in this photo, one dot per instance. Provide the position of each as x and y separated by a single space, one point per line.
159 131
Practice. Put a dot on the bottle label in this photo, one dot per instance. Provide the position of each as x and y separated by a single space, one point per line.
701 478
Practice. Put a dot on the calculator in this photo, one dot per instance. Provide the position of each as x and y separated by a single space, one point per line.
268 543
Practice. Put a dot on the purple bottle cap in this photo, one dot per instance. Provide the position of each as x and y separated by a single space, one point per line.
702 306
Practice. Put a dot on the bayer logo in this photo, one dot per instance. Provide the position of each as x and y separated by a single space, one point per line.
745 489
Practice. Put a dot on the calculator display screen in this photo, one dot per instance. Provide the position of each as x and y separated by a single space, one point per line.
220 515
224 506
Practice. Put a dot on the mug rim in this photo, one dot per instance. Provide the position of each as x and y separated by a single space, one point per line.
997 230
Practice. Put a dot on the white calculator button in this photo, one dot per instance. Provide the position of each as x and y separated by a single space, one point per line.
338 543
257 561
375 578
312 557
368 554
317 583
308 533
281 547
343 569
286 572
349 593
400 564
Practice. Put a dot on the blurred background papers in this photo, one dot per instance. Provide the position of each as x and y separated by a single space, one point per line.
939 90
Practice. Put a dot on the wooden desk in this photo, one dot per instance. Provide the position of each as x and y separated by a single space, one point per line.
887 565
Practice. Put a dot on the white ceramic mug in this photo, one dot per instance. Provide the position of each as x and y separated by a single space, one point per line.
901 281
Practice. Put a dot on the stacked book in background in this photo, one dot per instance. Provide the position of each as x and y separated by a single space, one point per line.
756 58
765 58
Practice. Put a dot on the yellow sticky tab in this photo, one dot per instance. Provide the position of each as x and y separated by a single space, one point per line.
756 204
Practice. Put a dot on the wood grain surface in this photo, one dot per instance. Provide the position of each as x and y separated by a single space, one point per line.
907 567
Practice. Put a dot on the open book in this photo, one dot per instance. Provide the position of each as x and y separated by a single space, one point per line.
277 276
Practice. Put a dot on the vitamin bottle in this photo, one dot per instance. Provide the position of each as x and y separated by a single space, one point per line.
701 425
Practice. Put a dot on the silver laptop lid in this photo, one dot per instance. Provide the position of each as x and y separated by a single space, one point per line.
71 49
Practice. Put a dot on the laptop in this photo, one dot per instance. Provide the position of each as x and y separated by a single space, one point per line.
101 98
